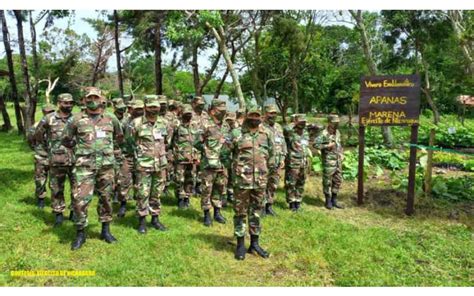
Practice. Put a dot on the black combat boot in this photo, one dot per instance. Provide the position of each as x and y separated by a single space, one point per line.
40 203
334 201
141 225
207 218
224 202
59 219
328 203
293 206
122 209
80 239
115 199
240 250
255 247
155 222
218 217
269 210
230 197
186 202
105 233
297 206
181 204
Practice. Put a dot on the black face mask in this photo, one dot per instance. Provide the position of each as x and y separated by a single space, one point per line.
253 123
220 115
301 126
137 113
187 118
199 108
120 111
162 110
66 109
271 120
152 112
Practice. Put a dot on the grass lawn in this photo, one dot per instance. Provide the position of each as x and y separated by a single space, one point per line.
372 245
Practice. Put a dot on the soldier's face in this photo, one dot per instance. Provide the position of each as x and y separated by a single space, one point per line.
333 126
137 112
152 110
199 107
93 102
271 118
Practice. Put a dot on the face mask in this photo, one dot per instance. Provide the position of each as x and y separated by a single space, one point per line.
271 120
220 114
253 123
152 111
162 110
301 125
92 105
120 110
199 108
187 117
65 109
138 113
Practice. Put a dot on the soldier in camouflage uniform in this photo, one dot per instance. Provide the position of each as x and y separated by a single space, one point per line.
41 159
128 175
253 160
329 142
231 121
150 134
212 148
120 112
296 161
95 136
280 149
200 116
240 116
50 134
185 156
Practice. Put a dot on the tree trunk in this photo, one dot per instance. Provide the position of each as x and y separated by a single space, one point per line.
95 73
117 53
11 75
455 17
357 15
219 35
294 84
158 70
7 125
30 102
35 56
195 66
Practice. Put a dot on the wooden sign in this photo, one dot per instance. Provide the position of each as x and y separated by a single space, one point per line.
385 101
389 100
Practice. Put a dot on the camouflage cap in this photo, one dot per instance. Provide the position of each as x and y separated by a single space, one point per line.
240 111
65 97
253 110
163 100
187 109
218 104
138 104
94 92
333 118
150 97
198 101
152 102
231 116
271 109
47 108
172 103
119 104
300 117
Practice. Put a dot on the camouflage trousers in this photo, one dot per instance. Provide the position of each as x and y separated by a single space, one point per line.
184 180
230 181
332 179
57 181
213 188
124 178
248 204
88 181
41 177
272 185
150 186
170 172
295 178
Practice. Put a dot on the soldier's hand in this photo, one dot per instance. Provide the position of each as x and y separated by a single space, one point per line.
331 146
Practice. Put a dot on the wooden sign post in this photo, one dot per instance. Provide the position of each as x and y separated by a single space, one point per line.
387 101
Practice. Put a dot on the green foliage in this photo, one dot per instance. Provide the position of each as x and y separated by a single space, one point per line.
450 133
387 158
453 189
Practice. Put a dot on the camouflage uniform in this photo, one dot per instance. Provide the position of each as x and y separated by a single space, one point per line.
253 161
41 159
213 155
119 155
51 129
296 162
331 159
184 155
150 140
94 137
198 121
231 133
276 132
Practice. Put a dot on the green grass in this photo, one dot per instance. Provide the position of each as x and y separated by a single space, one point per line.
372 245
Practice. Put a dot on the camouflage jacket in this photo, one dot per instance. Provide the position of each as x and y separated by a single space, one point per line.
253 158
149 143
183 141
199 121
94 138
41 152
330 158
280 149
212 145
297 147
50 134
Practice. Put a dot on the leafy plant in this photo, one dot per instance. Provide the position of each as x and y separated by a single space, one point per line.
454 189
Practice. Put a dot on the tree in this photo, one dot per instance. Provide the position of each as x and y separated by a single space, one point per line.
11 73
463 25
30 101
